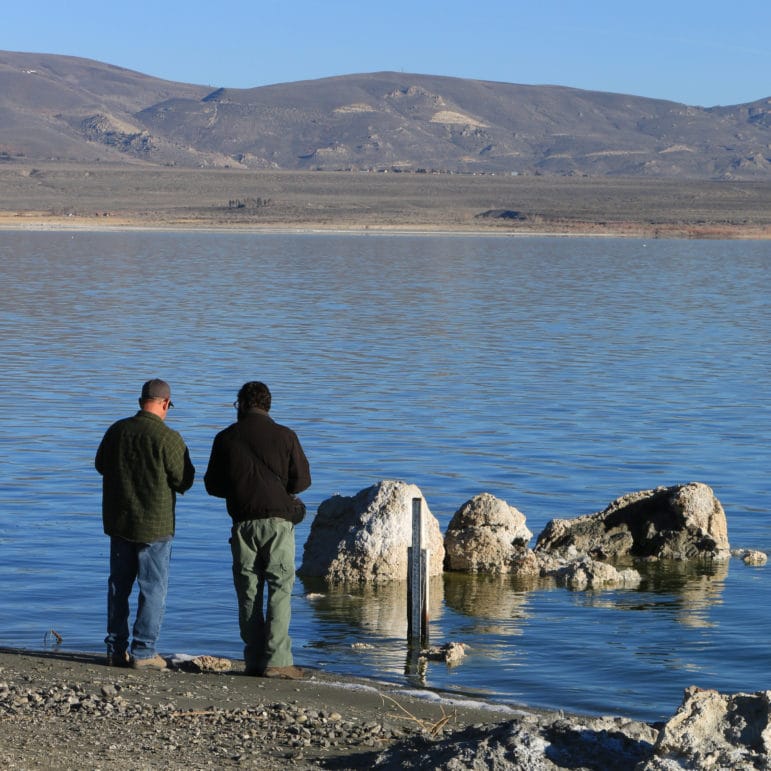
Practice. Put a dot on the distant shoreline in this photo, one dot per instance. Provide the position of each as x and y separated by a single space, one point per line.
22 222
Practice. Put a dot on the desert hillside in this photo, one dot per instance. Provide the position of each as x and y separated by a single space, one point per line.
66 109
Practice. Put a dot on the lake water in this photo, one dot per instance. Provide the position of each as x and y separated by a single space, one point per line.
554 373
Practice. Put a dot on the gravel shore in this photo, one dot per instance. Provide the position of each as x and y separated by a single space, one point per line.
62 711
70 711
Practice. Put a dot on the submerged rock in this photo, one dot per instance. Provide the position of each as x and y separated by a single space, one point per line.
452 653
680 523
751 556
587 573
576 574
485 535
364 538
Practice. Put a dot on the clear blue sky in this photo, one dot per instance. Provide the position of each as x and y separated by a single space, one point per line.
701 53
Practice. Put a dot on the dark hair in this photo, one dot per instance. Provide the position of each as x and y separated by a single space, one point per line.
254 394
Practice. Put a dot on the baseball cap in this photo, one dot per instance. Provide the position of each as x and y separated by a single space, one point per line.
157 389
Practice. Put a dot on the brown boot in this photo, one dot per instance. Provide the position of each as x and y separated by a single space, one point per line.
285 673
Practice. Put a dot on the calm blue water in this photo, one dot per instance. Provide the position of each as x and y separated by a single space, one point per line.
557 374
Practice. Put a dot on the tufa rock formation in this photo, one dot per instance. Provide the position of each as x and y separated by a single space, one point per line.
709 731
714 730
364 538
679 523
484 536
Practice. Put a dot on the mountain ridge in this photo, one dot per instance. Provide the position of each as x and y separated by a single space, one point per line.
56 107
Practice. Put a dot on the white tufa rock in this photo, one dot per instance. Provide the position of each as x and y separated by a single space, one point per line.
365 538
714 730
485 535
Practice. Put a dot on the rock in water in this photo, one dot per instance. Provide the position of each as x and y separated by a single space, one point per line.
364 538
680 523
485 535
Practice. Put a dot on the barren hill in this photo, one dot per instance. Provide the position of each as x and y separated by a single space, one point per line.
70 109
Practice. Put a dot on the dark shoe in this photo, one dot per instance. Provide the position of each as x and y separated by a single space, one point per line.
252 670
118 659
284 673
155 662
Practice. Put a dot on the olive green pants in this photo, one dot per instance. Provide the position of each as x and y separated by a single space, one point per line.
263 555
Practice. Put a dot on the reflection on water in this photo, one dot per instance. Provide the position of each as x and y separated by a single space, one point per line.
695 588
510 623
488 597
377 609
684 591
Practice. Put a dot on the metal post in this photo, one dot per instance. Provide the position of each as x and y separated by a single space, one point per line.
417 580
424 554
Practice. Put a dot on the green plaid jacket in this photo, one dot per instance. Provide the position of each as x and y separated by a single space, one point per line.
143 464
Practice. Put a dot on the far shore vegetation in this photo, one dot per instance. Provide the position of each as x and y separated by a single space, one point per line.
102 196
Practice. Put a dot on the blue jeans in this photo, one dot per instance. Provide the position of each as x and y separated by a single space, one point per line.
148 564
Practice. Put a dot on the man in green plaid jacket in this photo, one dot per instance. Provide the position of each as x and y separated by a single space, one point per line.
144 464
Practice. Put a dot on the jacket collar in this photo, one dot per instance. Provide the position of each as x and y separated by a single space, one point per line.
147 415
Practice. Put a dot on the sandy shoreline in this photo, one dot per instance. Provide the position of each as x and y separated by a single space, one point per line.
26 223
589 231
